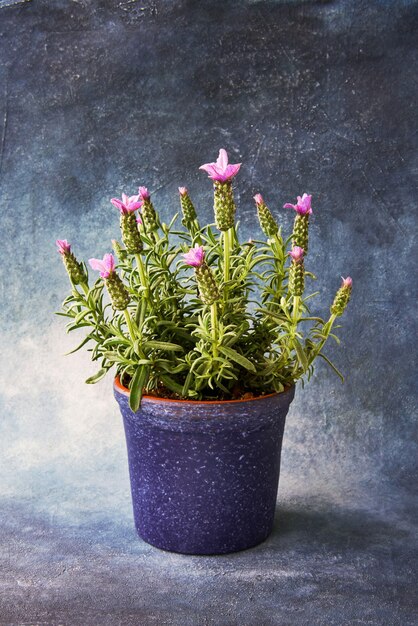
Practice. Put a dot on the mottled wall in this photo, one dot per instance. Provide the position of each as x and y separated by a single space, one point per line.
98 97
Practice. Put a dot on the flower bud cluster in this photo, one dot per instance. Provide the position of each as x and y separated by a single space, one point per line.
75 270
117 291
120 252
300 236
342 297
224 205
208 289
187 207
297 272
148 212
267 222
130 234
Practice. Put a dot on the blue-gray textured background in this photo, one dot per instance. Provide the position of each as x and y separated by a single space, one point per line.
97 97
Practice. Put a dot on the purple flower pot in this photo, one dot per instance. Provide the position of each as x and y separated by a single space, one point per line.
204 475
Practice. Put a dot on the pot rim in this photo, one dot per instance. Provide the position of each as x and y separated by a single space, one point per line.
118 385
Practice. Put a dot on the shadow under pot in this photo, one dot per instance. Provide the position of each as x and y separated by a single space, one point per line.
204 475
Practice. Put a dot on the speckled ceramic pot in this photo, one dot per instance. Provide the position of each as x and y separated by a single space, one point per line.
204 475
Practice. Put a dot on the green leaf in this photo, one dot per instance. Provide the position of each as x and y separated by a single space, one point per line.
80 316
83 343
162 345
95 379
332 366
301 355
312 295
171 384
138 382
238 358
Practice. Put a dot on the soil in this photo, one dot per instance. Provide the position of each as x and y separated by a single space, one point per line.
238 393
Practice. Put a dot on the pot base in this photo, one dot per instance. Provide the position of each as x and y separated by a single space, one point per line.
203 551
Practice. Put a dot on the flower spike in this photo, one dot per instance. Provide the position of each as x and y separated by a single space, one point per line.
297 271
267 222
75 270
208 289
300 235
117 291
222 173
342 297
150 219
187 207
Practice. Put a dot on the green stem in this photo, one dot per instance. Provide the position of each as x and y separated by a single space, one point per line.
226 257
145 299
86 290
141 270
321 344
130 325
295 312
277 249
214 324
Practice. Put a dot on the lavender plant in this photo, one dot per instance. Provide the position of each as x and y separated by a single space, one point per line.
236 326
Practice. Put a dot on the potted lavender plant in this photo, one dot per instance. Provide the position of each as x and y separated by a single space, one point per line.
206 359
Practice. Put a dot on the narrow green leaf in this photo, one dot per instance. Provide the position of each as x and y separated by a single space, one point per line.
332 366
98 376
83 343
301 355
312 295
312 319
138 382
162 345
80 316
171 384
238 358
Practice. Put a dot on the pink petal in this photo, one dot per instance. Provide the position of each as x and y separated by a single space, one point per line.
117 203
96 264
258 198
109 262
222 160
133 206
195 256
183 191
210 168
289 206
144 193
231 171
63 246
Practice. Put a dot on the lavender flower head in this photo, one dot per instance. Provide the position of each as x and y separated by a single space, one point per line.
195 257
106 267
297 254
183 191
63 246
303 205
128 204
221 171
347 282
